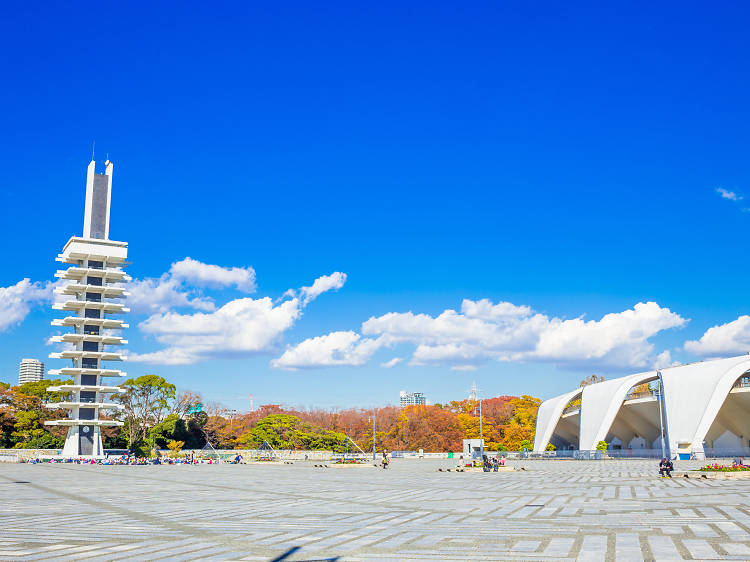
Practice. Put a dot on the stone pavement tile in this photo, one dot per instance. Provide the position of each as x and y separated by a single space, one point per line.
736 549
628 547
594 548
663 548
733 531
559 547
701 530
700 549
526 546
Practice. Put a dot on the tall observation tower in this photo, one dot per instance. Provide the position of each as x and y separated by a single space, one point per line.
92 291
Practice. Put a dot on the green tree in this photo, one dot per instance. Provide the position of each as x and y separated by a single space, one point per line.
146 402
39 389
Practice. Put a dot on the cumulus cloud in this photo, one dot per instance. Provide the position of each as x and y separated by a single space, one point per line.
206 275
334 349
16 301
664 360
391 363
151 295
483 331
334 281
732 338
177 287
241 327
726 194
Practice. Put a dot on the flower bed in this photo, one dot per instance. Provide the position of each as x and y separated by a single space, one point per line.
724 468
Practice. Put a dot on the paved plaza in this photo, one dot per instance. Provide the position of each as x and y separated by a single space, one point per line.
554 510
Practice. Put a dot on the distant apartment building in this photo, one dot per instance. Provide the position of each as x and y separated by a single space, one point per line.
31 370
412 399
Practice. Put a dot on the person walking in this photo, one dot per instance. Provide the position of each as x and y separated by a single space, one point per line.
386 460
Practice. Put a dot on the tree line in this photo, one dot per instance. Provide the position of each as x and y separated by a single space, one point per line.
155 415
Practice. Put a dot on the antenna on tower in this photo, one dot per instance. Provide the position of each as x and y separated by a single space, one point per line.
93 146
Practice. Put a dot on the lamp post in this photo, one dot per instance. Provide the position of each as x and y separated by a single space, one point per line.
661 417
372 420
481 435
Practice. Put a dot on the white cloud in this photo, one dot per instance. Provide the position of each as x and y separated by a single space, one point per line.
334 349
726 194
177 287
151 295
391 363
241 327
322 284
664 360
732 338
201 274
484 331
16 301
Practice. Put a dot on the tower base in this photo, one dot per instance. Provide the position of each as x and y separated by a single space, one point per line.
83 441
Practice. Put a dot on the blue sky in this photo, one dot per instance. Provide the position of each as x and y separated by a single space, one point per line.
563 158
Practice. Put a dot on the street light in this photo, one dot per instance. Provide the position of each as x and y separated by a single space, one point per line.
371 419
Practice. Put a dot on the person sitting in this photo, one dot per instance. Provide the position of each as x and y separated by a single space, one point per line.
738 461
502 460
665 467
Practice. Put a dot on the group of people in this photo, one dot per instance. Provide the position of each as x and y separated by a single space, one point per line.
129 460
492 464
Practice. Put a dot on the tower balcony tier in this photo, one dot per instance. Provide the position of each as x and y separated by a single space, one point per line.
76 405
86 388
80 354
108 275
75 371
75 321
85 422
77 338
108 292
107 307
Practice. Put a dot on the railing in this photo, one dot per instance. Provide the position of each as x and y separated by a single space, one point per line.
743 382
642 394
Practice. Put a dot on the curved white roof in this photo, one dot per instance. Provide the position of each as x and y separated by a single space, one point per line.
692 398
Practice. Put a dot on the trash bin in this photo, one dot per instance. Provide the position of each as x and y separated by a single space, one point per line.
684 456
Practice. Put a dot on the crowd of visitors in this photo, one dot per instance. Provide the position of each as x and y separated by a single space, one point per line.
130 460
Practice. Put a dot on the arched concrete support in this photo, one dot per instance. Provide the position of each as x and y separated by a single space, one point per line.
547 417
693 396
637 418
600 404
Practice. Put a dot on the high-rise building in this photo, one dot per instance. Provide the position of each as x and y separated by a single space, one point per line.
92 292
412 399
31 370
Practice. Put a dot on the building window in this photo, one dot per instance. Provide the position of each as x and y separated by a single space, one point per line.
89 363
88 396
94 281
94 297
90 346
86 413
92 313
88 380
96 264
91 330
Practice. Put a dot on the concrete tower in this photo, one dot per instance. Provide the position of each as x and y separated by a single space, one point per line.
93 290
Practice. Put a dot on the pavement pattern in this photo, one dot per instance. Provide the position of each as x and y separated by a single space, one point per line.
553 510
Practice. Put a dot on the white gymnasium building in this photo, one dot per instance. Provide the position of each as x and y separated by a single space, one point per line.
704 409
